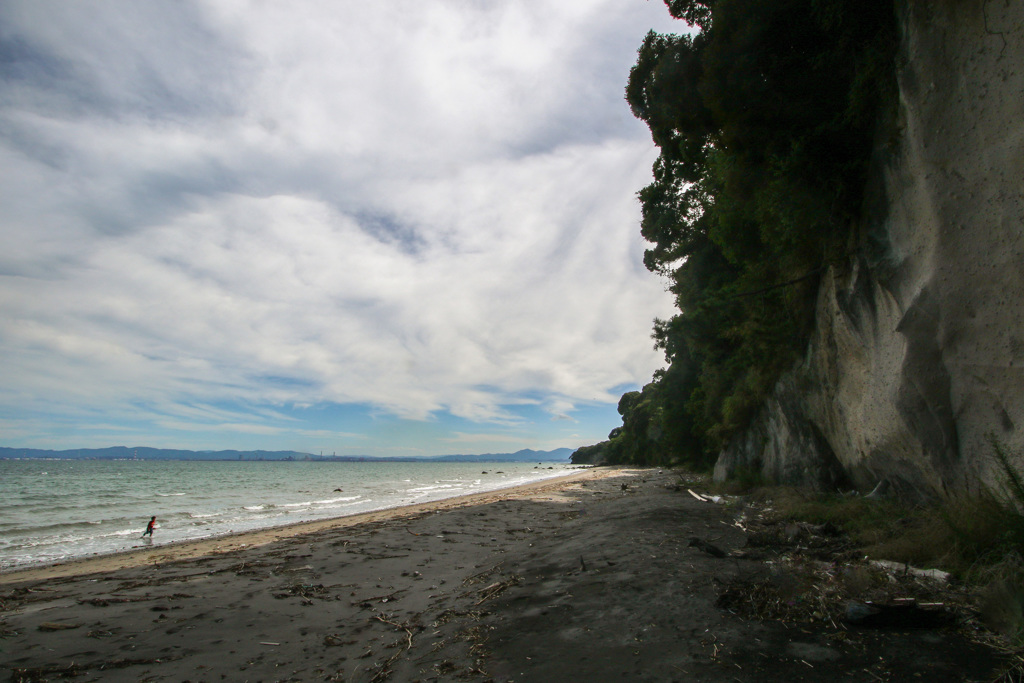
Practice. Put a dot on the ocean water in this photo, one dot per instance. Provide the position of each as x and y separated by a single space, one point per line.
56 510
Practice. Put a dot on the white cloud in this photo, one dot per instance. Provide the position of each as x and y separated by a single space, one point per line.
420 206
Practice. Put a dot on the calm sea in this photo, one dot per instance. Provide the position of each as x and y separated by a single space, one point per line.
54 510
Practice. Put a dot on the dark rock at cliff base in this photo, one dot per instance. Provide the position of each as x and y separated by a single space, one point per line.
901 615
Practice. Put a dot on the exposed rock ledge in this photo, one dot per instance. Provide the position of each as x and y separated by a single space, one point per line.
918 353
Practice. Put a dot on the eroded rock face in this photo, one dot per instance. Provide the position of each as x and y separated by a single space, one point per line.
918 354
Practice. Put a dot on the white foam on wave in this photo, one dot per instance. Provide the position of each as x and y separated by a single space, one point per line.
423 489
343 499
123 532
342 505
36 542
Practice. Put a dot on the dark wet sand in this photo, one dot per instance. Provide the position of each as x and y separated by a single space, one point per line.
561 581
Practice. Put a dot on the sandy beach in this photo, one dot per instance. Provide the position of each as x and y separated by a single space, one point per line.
600 575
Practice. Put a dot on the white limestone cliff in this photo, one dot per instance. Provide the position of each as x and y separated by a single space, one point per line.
918 353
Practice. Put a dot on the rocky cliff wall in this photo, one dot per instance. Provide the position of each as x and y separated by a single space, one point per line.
918 352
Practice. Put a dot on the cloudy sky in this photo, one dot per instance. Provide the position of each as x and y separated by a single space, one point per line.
392 228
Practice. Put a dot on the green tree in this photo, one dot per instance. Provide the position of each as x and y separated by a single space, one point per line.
765 121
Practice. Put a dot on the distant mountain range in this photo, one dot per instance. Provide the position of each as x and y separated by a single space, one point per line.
145 453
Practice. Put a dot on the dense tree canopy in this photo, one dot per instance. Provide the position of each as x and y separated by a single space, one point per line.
765 119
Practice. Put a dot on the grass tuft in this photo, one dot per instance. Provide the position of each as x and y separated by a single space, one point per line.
979 537
745 480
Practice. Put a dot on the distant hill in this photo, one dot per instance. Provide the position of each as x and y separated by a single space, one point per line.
525 455
146 453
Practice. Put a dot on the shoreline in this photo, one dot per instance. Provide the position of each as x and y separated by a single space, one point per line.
594 576
195 548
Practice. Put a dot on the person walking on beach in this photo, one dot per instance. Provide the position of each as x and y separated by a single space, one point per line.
149 528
